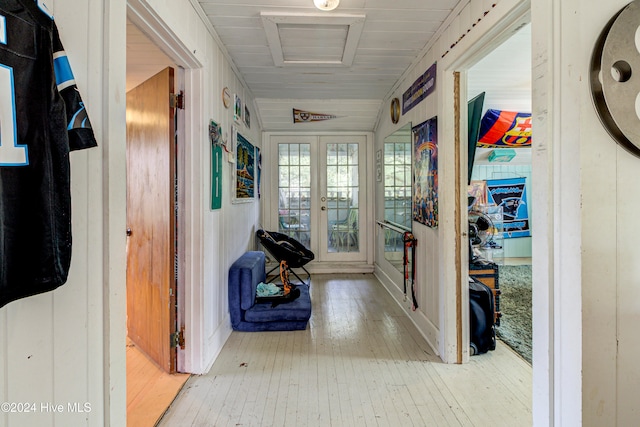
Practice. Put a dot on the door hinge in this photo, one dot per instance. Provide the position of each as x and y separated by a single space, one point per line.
177 339
177 100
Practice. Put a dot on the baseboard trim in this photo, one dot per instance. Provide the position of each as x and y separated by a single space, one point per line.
426 328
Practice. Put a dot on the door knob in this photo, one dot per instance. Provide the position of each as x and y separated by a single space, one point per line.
324 208
129 232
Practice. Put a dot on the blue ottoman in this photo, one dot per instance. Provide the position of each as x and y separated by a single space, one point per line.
249 316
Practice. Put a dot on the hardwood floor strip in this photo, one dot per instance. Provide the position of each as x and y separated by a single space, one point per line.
150 390
360 362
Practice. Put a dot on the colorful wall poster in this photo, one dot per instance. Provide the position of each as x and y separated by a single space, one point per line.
245 169
511 194
425 172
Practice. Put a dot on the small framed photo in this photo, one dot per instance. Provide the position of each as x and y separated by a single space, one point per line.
237 108
247 117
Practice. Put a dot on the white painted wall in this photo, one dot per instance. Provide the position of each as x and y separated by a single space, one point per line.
68 346
215 239
436 250
592 250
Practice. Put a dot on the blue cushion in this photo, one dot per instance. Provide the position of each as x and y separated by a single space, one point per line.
244 276
287 325
248 271
298 309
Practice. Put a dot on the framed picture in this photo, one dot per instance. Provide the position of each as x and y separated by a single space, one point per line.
259 170
245 170
247 117
237 108
425 172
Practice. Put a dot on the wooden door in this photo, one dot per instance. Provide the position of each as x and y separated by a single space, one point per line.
151 287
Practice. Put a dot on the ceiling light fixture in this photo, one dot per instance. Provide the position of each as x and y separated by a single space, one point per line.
326 4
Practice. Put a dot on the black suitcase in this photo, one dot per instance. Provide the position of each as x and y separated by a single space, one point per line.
481 312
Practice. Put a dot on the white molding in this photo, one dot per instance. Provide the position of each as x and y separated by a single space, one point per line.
151 24
271 21
427 329
112 133
215 342
488 34
191 359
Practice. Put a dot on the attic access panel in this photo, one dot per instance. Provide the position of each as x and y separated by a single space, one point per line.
312 39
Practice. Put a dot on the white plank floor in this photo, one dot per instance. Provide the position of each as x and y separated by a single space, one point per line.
360 362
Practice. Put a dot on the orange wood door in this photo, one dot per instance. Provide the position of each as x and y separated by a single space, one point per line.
151 287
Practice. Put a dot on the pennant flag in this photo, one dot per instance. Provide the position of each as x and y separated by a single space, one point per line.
301 116
505 129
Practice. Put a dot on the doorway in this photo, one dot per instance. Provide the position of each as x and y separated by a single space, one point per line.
500 177
320 188
152 228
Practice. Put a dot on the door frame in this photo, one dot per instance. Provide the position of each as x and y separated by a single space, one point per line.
270 200
323 142
456 299
191 265
544 362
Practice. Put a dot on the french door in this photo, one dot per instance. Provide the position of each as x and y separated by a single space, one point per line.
321 197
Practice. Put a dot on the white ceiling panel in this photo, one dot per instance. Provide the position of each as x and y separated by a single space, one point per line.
312 39
315 62
354 114
394 35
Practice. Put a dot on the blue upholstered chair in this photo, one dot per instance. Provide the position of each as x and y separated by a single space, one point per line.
246 315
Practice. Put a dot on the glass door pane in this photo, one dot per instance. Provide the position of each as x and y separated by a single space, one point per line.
319 202
294 191
342 191
342 197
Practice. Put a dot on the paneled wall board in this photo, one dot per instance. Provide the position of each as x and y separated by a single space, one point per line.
68 346
54 341
608 245
436 278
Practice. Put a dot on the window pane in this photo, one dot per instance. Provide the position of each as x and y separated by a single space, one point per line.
342 198
283 154
294 174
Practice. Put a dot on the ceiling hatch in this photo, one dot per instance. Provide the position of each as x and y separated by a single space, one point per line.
313 39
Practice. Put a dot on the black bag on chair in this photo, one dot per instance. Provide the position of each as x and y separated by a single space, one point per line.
482 332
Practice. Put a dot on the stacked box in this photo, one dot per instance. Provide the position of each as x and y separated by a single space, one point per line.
488 273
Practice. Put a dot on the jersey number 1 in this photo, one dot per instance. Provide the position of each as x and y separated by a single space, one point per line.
11 154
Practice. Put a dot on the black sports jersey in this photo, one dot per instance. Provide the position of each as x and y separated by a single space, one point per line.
42 118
